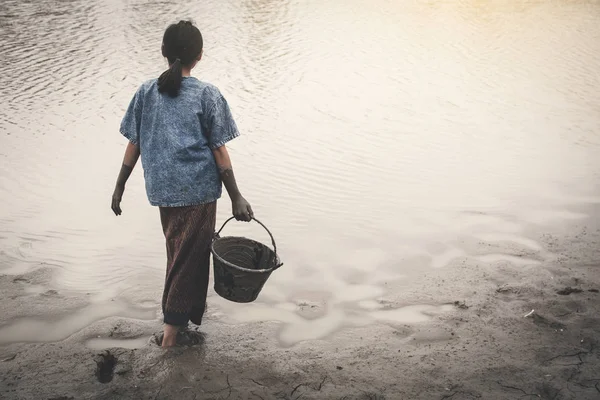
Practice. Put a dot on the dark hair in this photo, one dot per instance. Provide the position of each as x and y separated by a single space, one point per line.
182 44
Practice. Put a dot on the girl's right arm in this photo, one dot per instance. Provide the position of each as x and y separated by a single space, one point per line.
132 153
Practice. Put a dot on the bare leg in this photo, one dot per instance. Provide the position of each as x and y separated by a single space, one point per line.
170 336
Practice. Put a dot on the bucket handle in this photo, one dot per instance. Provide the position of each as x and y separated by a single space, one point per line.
261 224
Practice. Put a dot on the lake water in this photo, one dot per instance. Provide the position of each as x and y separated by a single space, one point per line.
376 136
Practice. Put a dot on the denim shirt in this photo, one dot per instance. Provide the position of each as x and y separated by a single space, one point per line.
176 137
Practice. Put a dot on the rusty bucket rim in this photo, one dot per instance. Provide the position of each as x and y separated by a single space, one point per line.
229 264
217 237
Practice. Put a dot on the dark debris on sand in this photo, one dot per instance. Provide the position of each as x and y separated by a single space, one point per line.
568 290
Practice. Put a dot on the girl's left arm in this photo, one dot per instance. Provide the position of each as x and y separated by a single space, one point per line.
132 153
242 211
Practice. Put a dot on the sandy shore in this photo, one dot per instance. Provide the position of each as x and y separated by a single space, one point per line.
485 347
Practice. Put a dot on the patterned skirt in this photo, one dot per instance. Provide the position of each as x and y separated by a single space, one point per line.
188 232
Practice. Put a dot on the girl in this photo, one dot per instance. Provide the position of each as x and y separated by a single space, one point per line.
180 125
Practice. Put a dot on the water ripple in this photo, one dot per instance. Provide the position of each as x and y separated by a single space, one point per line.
366 126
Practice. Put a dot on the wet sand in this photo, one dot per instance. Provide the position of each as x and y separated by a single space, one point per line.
490 345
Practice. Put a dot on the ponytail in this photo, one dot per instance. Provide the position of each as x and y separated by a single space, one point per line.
182 45
170 80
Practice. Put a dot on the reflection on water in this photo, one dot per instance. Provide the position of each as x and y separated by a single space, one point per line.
375 135
307 321
35 330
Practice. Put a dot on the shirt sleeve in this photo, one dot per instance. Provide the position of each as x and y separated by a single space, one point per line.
221 126
130 125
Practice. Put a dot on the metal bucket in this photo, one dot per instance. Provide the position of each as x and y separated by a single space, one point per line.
242 266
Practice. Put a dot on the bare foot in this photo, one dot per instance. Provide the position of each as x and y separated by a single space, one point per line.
170 336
